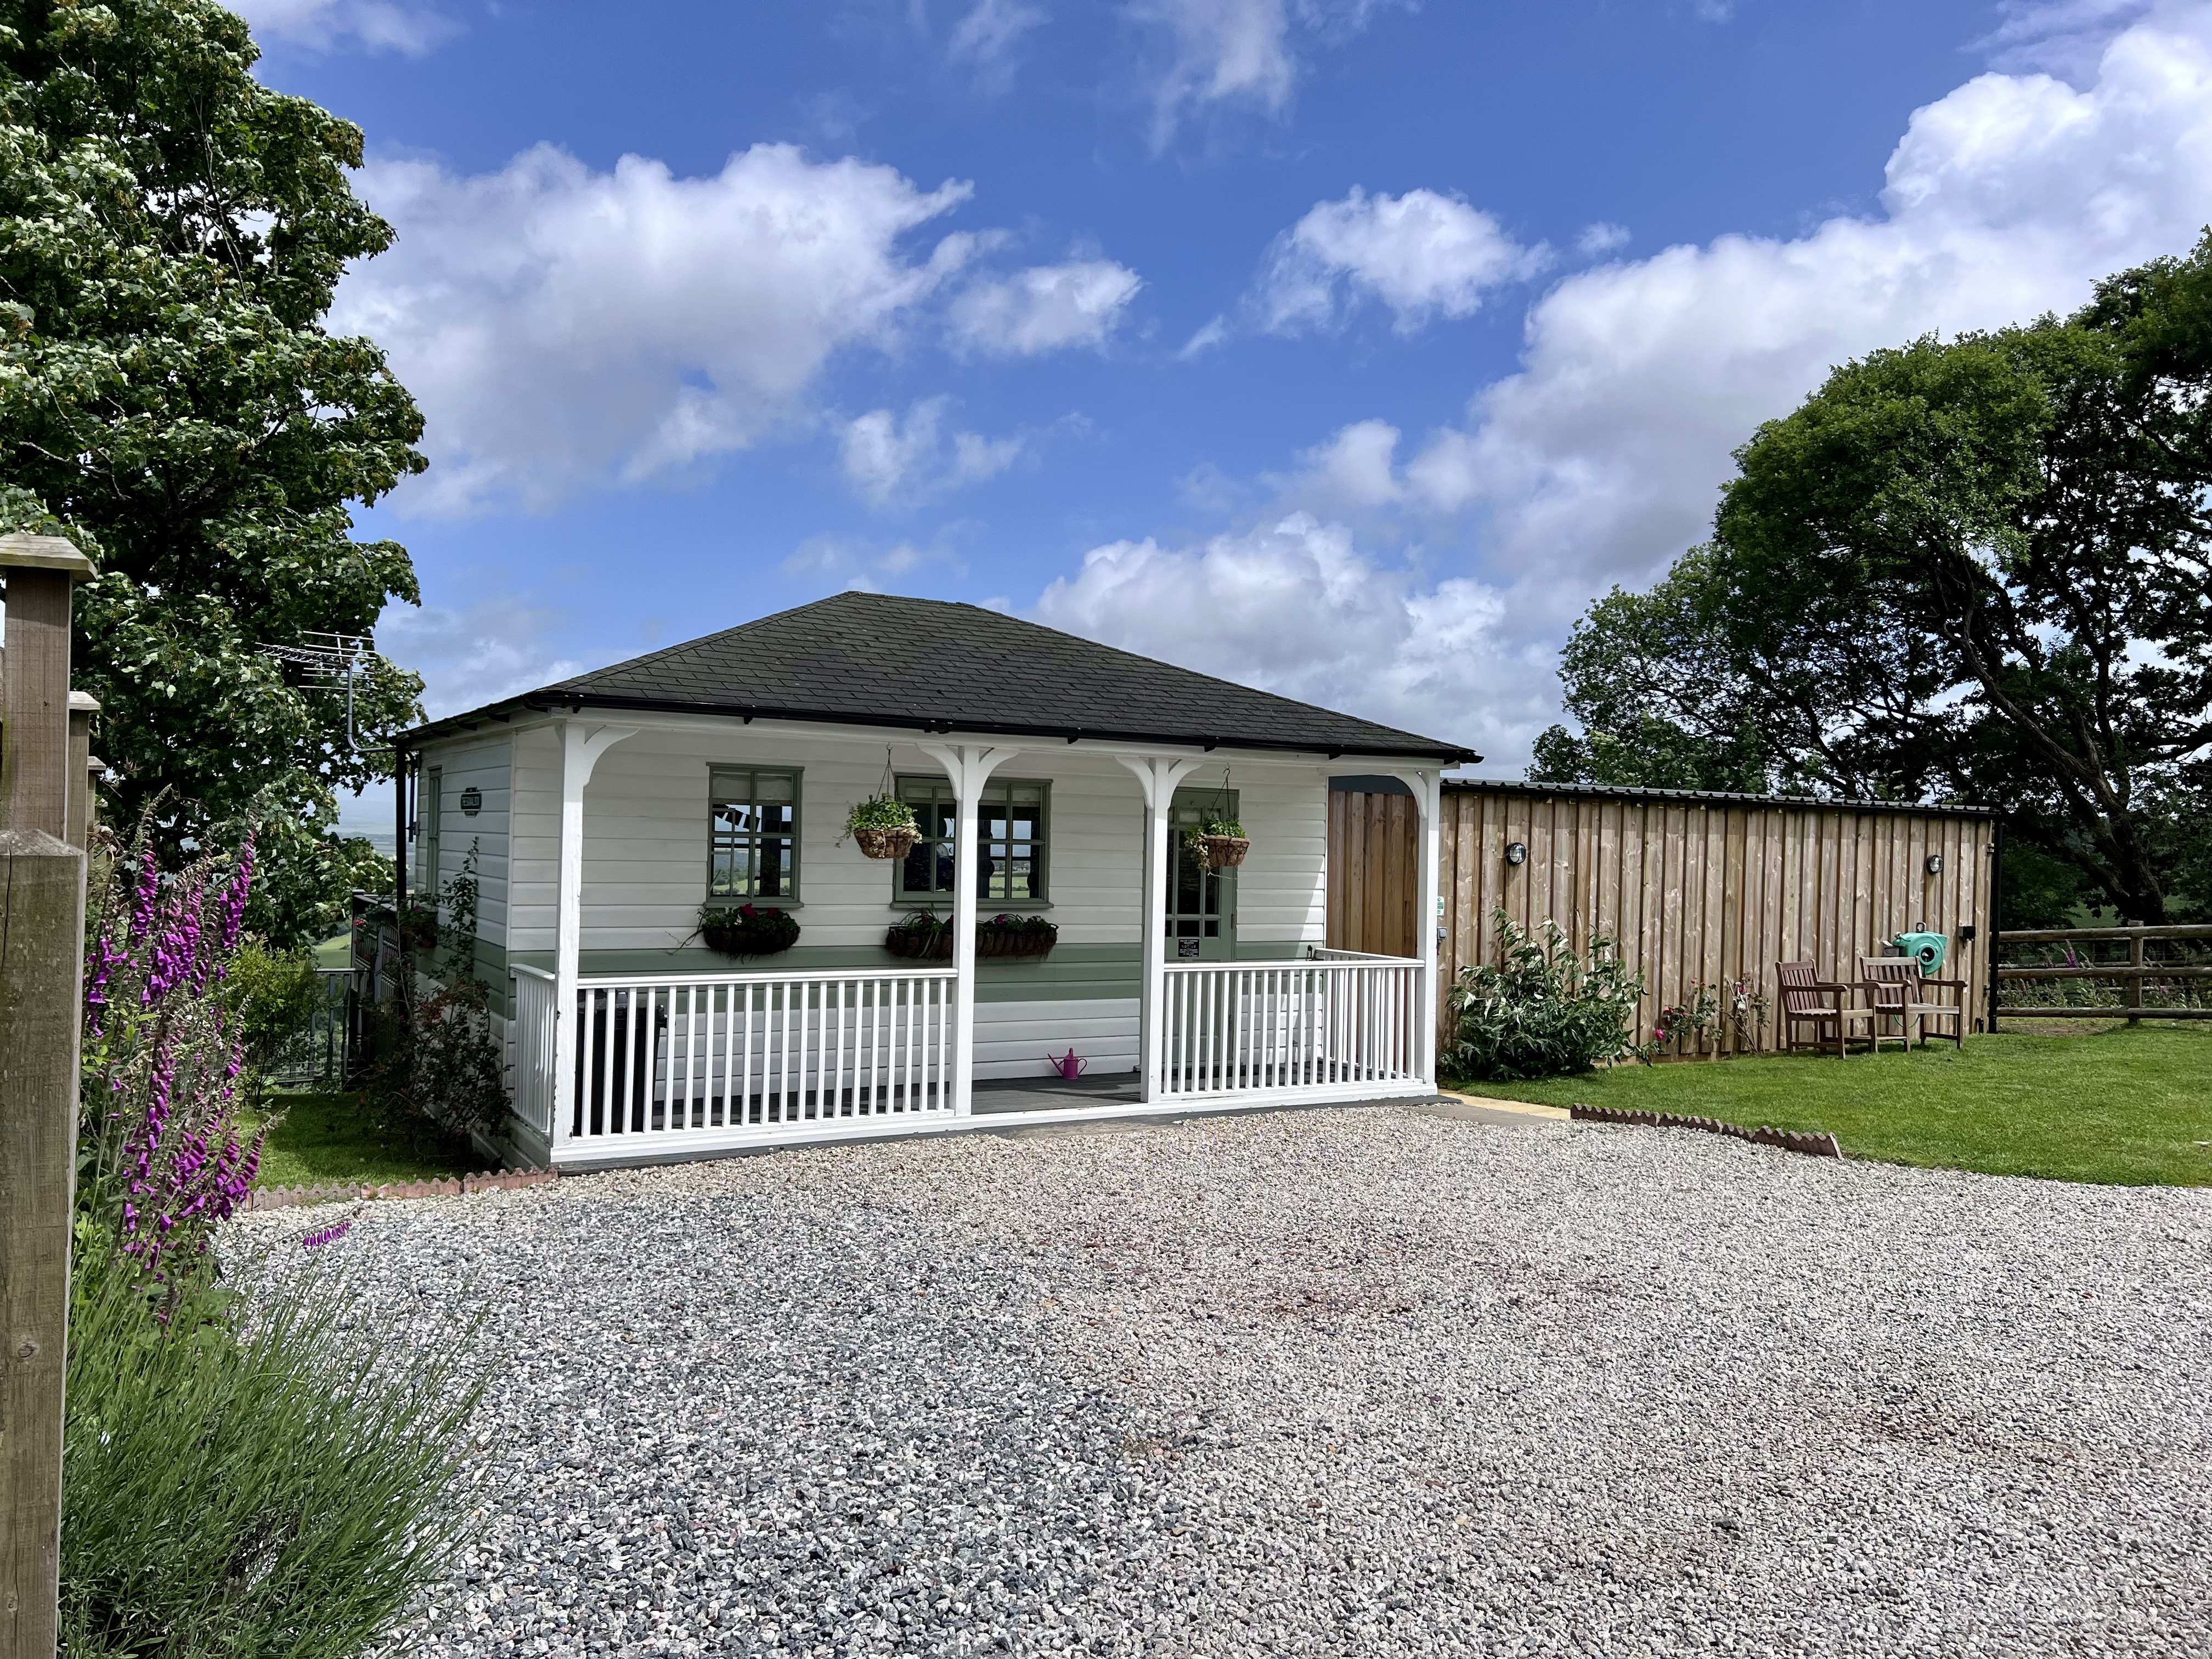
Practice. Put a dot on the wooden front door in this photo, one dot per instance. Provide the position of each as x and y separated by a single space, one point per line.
1201 906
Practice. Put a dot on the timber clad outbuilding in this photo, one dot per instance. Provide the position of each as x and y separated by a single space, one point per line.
1698 888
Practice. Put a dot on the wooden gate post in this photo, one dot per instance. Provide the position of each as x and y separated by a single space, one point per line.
42 962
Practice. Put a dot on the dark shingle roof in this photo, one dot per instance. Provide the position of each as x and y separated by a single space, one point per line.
921 665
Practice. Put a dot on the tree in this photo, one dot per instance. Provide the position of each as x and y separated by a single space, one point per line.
171 233
1979 567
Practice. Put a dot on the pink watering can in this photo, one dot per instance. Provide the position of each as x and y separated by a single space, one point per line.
1070 1065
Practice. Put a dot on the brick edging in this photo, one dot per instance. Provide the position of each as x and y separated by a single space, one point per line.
1822 1144
286 1198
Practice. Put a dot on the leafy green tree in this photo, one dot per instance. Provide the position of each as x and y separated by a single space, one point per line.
1978 568
171 233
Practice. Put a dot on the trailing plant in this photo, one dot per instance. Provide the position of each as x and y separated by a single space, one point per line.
746 930
1014 926
252 1478
432 1058
1541 1009
879 812
924 923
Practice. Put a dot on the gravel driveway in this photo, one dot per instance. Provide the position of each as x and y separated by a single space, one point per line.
1327 1383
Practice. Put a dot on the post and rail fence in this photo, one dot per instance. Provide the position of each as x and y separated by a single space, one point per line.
45 821
2175 985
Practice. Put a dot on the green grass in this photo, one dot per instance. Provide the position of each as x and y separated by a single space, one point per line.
326 1138
2133 1107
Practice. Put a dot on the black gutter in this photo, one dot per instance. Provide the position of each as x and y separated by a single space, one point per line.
751 712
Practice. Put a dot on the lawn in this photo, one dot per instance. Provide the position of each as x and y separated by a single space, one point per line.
320 1138
2107 1104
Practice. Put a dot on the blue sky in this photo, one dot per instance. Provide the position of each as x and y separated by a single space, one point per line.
1344 346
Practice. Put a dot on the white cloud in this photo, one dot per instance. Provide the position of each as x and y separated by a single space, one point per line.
2065 38
857 562
894 464
1600 238
1423 254
565 328
471 658
326 25
1235 53
1602 458
986 36
1294 608
1043 309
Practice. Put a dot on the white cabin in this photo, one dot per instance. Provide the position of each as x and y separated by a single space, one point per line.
1050 776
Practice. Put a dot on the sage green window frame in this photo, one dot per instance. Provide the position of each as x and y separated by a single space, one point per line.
734 842
936 814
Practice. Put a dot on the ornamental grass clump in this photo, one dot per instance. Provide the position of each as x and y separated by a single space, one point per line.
1541 1009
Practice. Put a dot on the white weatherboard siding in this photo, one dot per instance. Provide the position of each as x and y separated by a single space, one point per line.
645 870
483 765
1012 1039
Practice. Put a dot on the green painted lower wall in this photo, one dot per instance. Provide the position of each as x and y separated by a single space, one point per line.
1072 973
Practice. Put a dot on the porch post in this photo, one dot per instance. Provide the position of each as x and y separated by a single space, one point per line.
1428 789
970 766
1431 795
581 746
1158 774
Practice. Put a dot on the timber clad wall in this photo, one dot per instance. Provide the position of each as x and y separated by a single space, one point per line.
1710 890
1374 865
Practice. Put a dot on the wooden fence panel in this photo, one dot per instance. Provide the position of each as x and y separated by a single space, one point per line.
1711 892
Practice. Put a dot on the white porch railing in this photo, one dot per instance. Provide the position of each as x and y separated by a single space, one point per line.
1324 1028
672 1061
533 1037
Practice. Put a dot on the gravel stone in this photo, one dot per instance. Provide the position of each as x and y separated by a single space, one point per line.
1334 1382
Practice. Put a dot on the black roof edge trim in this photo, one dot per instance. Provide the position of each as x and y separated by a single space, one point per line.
433 729
1633 792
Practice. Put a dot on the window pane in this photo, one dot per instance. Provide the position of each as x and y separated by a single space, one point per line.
773 786
774 868
914 874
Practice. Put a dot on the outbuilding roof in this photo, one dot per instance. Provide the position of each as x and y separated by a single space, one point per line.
1716 796
928 666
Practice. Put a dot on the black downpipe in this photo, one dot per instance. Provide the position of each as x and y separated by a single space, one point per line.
400 850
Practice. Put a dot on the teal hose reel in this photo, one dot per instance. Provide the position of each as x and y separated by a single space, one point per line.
1930 948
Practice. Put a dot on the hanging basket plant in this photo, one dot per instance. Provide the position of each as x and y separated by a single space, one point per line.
746 931
883 826
1218 844
921 935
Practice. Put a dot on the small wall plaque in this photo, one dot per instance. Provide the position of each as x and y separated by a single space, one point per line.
1186 947
472 801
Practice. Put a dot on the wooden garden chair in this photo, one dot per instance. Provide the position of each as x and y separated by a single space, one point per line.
1809 999
1895 986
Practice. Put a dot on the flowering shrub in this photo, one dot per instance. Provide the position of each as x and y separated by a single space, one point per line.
164 1158
1541 1009
434 1062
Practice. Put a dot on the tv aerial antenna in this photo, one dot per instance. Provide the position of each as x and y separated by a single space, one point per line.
332 660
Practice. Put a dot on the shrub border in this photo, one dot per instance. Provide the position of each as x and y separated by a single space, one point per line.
1823 1143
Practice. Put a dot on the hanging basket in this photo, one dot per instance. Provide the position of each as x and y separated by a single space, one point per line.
1223 852
893 843
764 934
1032 941
926 944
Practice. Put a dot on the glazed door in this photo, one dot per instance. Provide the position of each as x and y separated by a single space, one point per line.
1202 905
